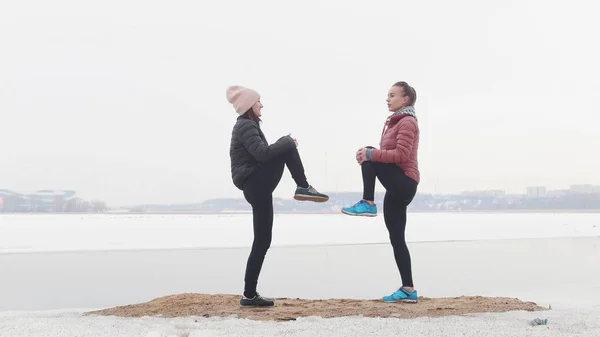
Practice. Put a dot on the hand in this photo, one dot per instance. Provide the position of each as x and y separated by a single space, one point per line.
294 139
361 155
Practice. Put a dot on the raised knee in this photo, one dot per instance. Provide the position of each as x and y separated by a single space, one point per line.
367 164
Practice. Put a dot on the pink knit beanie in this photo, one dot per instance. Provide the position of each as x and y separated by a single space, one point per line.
242 98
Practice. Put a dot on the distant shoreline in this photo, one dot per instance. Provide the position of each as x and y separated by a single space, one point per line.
338 212
522 211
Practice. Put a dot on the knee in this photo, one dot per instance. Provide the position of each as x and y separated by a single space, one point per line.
266 243
398 240
260 248
265 247
291 149
367 165
262 243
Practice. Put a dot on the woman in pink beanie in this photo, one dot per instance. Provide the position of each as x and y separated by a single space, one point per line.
256 169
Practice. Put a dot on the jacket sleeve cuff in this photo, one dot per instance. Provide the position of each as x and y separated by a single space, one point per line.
369 154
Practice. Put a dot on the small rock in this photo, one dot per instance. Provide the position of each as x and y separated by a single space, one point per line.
539 321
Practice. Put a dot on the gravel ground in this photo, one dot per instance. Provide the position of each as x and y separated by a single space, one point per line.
285 309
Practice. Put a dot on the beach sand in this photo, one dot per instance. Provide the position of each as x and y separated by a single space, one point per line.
286 309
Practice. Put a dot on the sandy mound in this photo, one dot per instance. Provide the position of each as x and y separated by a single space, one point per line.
289 309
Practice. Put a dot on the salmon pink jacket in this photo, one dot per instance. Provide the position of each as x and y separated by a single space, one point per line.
400 144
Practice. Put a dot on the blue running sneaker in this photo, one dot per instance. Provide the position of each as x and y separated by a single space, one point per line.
361 208
402 295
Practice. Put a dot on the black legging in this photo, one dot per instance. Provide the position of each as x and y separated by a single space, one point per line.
400 191
258 191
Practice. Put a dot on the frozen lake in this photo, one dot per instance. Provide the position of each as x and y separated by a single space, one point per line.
530 269
95 261
22 233
63 264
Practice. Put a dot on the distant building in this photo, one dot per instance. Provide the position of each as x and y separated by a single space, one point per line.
39 201
557 193
4 193
536 192
582 189
485 193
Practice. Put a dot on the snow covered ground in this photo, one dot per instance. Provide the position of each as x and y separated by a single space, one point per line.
70 324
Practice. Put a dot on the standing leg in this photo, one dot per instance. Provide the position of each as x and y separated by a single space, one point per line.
258 192
262 214
400 191
394 214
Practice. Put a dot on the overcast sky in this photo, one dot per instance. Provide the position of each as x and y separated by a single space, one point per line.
125 100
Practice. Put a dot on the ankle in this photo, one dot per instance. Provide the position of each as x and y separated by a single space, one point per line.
249 294
372 203
411 289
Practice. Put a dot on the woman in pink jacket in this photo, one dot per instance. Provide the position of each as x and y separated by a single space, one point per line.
395 164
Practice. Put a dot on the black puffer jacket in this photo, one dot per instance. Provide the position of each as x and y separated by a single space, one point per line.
249 148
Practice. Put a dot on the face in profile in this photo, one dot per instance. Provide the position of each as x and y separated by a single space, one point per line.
257 108
396 99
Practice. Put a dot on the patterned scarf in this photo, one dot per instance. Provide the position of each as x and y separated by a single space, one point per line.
407 110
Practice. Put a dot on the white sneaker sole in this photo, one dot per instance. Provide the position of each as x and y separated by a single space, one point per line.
401 301
300 197
361 214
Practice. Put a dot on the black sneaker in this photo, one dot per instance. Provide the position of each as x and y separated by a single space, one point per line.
256 301
310 194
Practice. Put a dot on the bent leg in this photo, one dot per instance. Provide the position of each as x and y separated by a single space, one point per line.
268 176
264 180
294 164
304 191
366 206
394 180
369 175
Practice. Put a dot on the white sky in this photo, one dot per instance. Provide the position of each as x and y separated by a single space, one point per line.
125 100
